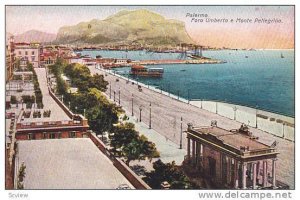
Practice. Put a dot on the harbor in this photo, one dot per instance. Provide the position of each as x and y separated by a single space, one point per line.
166 120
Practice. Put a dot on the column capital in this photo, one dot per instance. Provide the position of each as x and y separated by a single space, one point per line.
274 159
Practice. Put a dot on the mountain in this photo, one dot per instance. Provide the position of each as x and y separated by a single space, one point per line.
35 36
127 27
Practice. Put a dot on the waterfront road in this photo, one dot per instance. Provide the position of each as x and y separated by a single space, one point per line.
166 113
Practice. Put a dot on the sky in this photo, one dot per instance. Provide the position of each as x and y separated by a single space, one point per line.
231 34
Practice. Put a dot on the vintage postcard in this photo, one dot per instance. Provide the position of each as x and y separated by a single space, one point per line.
150 97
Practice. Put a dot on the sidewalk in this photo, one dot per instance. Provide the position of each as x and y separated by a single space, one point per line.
169 151
57 114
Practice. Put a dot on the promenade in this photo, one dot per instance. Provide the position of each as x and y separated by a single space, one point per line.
166 116
57 114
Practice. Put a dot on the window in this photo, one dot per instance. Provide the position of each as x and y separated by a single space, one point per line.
31 136
26 53
45 135
32 53
52 135
20 53
32 58
72 134
59 135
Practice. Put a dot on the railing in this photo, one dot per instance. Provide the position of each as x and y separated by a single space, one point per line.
50 124
258 152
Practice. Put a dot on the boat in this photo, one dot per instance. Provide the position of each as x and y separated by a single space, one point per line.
281 56
140 70
246 56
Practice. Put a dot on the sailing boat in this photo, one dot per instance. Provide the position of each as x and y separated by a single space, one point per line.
281 55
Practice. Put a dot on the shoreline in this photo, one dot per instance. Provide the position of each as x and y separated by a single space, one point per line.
166 114
183 99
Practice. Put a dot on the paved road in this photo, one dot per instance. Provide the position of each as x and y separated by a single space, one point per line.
73 163
166 114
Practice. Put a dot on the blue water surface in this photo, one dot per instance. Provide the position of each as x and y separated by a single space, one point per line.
252 78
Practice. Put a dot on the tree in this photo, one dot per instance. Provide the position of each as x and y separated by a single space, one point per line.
140 149
167 172
97 81
122 135
127 142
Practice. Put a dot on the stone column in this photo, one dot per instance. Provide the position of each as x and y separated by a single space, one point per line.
235 175
201 149
274 172
189 148
193 151
197 152
229 170
258 172
265 173
244 175
254 175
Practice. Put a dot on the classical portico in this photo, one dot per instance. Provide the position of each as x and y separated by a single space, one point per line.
231 158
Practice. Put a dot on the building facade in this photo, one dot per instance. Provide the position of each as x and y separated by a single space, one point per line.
29 52
231 158
10 59
73 128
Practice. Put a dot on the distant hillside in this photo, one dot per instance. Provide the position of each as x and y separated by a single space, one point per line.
35 36
139 26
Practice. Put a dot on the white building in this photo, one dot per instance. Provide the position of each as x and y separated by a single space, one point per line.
29 52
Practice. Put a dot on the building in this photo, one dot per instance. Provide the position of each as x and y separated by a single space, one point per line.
73 128
231 158
28 51
48 58
10 60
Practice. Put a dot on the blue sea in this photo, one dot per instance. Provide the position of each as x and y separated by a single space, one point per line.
259 78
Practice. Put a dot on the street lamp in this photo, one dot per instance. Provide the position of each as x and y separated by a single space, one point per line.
188 96
234 109
110 89
256 109
180 144
119 96
114 96
69 105
150 117
141 108
132 105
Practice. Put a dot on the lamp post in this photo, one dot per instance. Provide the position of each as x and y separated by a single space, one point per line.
256 109
114 96
69 105
141 108
110 90
119 96
150 117
131 104
234 109
62 98
180 144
